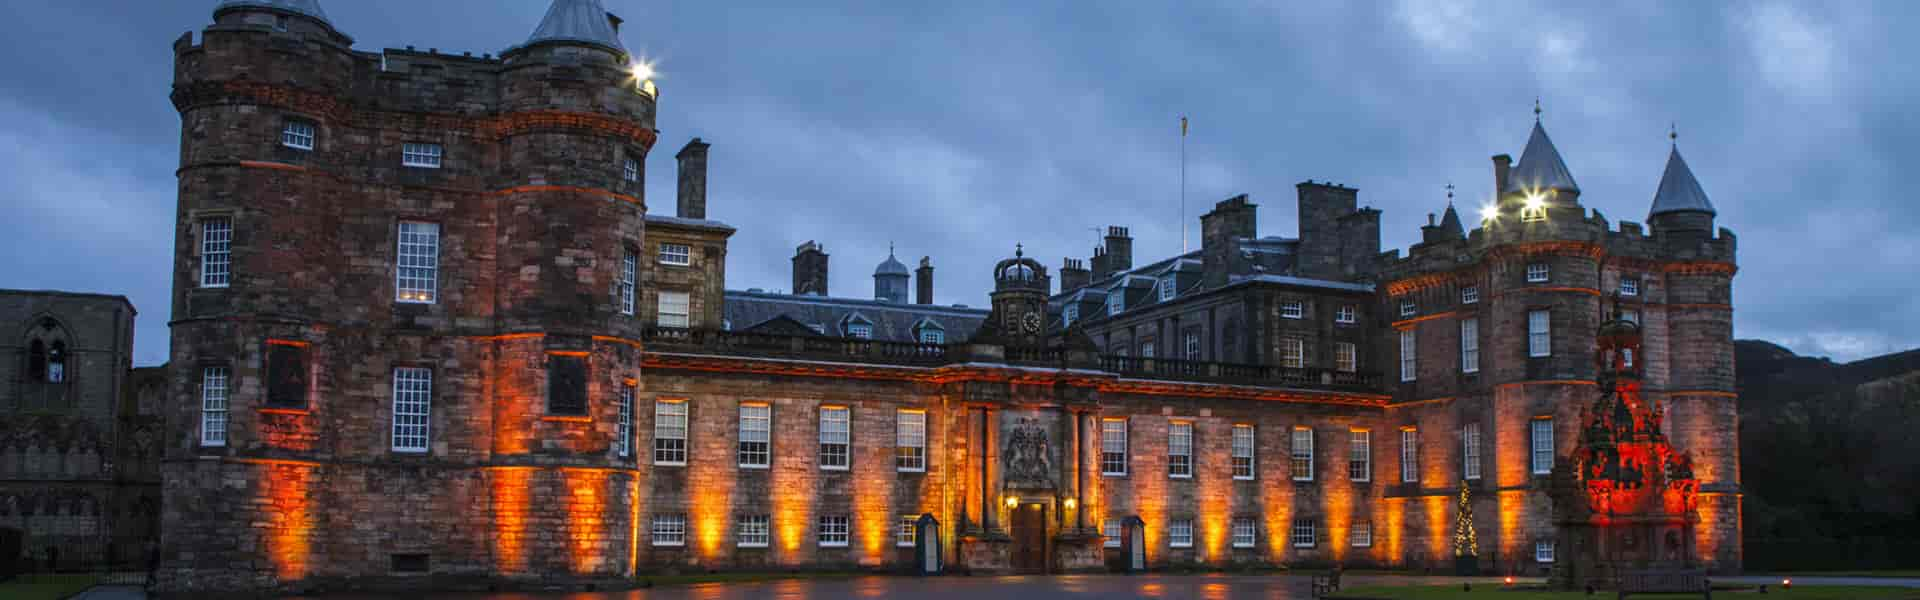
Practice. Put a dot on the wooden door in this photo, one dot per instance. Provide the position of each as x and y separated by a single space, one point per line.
1030 539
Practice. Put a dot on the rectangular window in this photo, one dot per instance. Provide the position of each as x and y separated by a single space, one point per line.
1470 451
1539 334
861 331
1536 272
1631 315
1409 455
675 310
676 254
1245 532
909 526
630 171
1167 290
1345 357
1146 349
1346 314
629 274
412 401
910 440
1293 353
1116 301
1629 286
1193 345
1069 314
833 531
835 438
1543 446
1407 309
756 436
421 155
670 432
753 531
624 441
1180 533
1180 449
1243 452
1293 309
297 135
1543 551
1301 454
669 530
1470 294
932 336
1360 455
1407 365
566 384
1361 534
1470 346
216 252
213 406
416 271
1303 534
287 375
1113 447
1110 529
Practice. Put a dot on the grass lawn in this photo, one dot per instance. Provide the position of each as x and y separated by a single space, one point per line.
664 580
1493 592
43 591
1886 573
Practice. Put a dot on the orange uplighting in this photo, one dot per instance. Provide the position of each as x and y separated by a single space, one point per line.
1513 505
709 514
1339 518
1214 516
510 512
290 519
1396 509
1278 500
1439 527
586 519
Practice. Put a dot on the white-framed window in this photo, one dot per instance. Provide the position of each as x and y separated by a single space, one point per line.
1246 532
1408 366
1193 345
213 406
1243 452
1470 294
1409 455
909 527
1539 334
1360 535
425 156
1629 286
1293 353
832 531
1300 454
1293 309
835 438
1470 345
624 441
1110 529
756 436
1346 357
1303 534
753 531
1543 551
1631 315
216 252
1626 357
1146 349
1407 309
1537 272
910 440
675 309
929 335
669 530
1116 301
676 254
670 432
1542 434
631 170
297 135
1113 447
1167 289
416 265
412 401
861 331
1180 533
1069 314
1360 455
1470 451
629 275
1180 449
1346 314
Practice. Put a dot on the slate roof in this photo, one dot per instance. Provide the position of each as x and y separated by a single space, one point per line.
577 21
1540 166
1679 191
309 8
1450 223
697 223
891 321
891 266
1305 282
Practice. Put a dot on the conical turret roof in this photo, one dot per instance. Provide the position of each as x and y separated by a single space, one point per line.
577 21
1679 191
1450 223
1540 166
309 8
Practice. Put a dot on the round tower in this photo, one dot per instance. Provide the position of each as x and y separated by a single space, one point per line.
1020 287
890 280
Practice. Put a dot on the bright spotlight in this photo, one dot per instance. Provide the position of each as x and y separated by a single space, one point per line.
1489 213
642 71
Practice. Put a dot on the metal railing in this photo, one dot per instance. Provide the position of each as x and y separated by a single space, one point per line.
76 559
1238 374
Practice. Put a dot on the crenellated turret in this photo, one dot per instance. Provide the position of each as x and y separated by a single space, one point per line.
1681 214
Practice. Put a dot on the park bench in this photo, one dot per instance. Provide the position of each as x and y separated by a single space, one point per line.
1326 584
1664 582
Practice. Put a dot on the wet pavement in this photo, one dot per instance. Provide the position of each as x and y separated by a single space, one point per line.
1171 587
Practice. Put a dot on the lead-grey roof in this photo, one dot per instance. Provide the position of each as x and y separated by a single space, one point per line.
1679 191
579 21
1540 166
890 266
309 8
892 321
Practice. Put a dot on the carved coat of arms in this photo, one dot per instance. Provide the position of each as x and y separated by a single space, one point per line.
1027 454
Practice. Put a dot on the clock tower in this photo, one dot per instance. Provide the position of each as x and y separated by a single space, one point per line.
1020 288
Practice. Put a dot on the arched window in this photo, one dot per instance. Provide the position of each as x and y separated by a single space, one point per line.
36 360
57 363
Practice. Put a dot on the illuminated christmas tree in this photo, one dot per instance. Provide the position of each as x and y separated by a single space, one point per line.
1465 542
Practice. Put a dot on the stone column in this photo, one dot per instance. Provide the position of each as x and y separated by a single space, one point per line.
1079 470
989 466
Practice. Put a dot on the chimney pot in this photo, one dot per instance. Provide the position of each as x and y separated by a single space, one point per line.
693 180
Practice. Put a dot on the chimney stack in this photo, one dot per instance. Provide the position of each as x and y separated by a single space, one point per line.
923 281
1501 164
810 269
693 180
1074 275
1221 229
1119 250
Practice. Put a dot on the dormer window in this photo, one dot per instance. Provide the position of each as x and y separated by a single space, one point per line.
425 156
1116 301
1407 309
1293 309
1470 294
1629 286
929 332
1167 290
1537 273
1069 314
297 135
858 327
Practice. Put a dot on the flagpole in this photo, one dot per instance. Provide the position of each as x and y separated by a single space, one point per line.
1183 184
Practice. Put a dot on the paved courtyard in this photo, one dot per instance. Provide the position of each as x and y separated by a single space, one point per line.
1203 587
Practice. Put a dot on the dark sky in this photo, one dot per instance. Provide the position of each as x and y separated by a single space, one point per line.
956 129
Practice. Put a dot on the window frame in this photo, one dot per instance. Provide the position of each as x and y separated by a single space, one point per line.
828 435
422 155
1408 308
1539 333
1293 353
1243 451
1540 443
1106 443
1409 455
1111 529
860 331
417 403
623 440
1293 309
1346 357
1175 530
1306 528
1191 343
1629 286
630 170
214 420
1180 449
1360 455
1470 451
1168 289
208 244
1243 525
1300 463
1539 272
743 453
908 532
1069 314
664 452
629 279
662 530
1550 552
827 527
749 528
932 335
416 262
679 255
1409 356
1347 314
683 320
909 447
1116 301
294 131
1470 294
1470 345
1360 534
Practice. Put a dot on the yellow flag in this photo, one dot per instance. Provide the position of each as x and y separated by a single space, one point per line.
1183 127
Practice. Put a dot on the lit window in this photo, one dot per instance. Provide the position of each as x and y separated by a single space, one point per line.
1470 294
1116 301
416 270
421 155
213 406
860 331
1346 314
669 530
1167 290
929 335
670 432
1470 451
1629 286
624 443
1110 529
1180 533
1146 349
676 254
1345 357
1180 449
631 170
1293 353
412 398
1407 365
1626 357
909 526
1193 345
910 445
297 135
675 309
216 251
1360 535
833 531
756 436
1292 309
1360 455
1243 452
834 438
1543 551
1470 346
1302 535
1409 455
1069 314
1245 532
1539 334
753 531
1536 272
1631 315
628 276
1543 446
1407 309
1301 454
1113 447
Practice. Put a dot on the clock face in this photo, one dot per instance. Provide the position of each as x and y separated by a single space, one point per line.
1031 323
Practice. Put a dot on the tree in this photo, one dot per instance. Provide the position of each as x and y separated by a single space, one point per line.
1465 542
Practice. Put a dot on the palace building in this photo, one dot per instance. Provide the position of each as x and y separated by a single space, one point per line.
428 331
